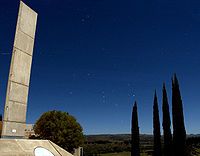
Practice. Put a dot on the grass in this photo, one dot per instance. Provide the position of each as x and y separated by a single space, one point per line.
197 151
121 154
117 154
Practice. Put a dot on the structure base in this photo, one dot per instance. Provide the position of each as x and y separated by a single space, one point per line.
27 147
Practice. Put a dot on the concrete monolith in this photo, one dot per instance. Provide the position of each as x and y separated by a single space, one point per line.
14 119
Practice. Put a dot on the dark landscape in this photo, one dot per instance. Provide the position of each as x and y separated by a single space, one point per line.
121 144
126 70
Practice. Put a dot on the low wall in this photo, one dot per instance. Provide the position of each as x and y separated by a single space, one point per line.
27 147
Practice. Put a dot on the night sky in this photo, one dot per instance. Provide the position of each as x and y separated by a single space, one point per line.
94 58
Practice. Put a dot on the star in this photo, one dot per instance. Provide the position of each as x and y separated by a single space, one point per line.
116 105
87 16
82 20
103 49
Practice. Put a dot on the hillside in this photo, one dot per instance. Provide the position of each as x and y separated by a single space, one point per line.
112 143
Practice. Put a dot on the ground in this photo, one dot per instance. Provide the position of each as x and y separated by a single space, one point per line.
121 154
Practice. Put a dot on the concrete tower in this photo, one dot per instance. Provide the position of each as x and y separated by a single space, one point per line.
14 119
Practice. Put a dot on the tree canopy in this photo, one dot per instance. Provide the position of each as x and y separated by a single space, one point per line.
61 128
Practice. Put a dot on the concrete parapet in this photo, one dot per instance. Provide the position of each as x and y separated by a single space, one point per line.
26 147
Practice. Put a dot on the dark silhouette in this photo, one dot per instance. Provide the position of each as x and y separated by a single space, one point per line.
156 128
179 133
166 124
135 138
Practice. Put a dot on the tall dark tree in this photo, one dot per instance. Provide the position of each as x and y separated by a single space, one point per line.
135 138
166 124
179 133
156 128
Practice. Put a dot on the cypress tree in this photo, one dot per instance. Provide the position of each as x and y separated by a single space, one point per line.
156 128
179 133
135 138
166 124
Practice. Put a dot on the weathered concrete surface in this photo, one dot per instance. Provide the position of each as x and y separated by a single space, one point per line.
12 128
19 77
26 147
78 151
21 66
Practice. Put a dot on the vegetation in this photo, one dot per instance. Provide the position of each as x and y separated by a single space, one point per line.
117 154
193 146
166 125
179 133
64 130
104 144
100 148
135 138
123 145
156 128
61 128
121 154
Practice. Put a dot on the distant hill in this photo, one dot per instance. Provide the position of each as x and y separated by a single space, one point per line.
116 137
123 137
109 143
145 139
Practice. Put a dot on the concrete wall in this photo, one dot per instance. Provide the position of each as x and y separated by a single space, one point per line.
78 151
25 147
29 131
14 120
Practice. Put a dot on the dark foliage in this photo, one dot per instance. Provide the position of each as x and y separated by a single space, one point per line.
193 144
193 140
61 128
97 149
179 133
135 139
156 128
166 125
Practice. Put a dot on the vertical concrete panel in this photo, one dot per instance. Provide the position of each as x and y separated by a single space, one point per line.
18 112
27 20
13 129
19 77
21 67
18 93
24 43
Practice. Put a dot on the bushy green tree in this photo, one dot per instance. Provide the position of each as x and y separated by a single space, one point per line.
135 135
61 128
179 133
166 124
156 128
